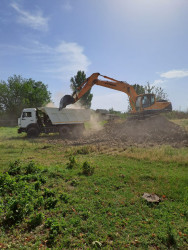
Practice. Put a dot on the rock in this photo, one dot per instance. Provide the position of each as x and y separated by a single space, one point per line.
151 197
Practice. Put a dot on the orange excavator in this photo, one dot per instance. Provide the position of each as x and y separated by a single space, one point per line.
144 104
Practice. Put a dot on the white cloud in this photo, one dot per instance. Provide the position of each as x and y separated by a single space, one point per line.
35 21
59 62
175 74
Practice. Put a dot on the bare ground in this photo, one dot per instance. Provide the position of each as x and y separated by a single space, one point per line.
156 130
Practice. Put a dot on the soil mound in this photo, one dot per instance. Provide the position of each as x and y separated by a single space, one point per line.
156 129
152 131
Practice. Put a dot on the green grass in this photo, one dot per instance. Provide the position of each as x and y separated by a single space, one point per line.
90 196
182 122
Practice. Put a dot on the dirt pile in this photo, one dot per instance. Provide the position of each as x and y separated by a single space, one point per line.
156 130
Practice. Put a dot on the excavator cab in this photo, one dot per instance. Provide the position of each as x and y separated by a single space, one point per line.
147 104
144 101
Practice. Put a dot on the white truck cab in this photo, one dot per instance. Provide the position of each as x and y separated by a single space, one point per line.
28 117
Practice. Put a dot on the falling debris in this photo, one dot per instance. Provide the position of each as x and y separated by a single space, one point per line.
151 197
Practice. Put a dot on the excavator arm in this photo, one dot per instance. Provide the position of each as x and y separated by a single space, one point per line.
93 80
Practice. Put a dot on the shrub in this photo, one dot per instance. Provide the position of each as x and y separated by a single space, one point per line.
87 169
72 162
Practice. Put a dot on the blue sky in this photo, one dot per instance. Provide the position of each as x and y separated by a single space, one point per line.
130 40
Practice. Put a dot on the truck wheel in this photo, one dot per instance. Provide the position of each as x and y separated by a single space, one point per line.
32 132
64 132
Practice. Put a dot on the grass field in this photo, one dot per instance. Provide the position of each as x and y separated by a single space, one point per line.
53 196
182 122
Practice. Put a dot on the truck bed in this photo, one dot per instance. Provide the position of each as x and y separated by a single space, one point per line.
67 116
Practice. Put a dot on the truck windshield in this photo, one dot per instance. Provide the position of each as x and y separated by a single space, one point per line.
26 114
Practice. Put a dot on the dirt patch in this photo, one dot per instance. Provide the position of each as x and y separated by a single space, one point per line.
156 130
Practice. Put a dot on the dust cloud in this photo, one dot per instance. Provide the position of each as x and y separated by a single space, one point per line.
76 105
95 122
50 105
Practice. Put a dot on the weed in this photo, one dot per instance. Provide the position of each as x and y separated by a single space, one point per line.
64 197
31 168
48 193
21 190
72 162
14 168
74 183
87 169
50 203
171 239
54 229
37 185
83 150
35 220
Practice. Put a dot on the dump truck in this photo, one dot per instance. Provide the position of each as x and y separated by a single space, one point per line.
67 122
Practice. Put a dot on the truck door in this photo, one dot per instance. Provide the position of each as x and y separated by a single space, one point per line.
27 118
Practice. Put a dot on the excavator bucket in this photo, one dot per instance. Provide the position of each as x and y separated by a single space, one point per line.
66 100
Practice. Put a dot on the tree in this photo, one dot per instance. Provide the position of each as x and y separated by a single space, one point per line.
76 81
158 91
19 93
139 89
